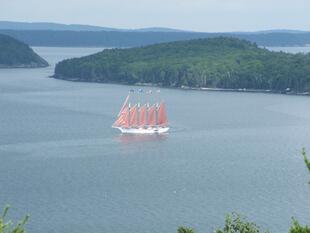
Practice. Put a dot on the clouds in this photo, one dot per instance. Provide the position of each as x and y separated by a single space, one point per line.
199 15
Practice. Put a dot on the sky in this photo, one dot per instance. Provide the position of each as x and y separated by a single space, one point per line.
195 15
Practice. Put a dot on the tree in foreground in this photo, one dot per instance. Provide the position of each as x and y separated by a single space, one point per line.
296 227
9 227
234 223
306 159
185 230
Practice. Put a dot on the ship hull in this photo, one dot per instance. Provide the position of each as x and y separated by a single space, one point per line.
154 130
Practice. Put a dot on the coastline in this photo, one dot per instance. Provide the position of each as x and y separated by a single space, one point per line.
21 66
245 90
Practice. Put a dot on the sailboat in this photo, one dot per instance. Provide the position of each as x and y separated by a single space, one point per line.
142 118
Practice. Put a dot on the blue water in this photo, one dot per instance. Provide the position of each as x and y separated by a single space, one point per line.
294 50
61 162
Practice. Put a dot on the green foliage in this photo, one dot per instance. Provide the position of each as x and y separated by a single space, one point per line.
307 161
8 227
185 230
236 224
14 53
215 62
297 228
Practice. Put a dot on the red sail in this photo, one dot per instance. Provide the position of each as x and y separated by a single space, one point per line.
122 120
152 116
124 105
142 118
162 115
134 116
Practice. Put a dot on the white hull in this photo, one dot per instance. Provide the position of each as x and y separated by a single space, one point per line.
153 130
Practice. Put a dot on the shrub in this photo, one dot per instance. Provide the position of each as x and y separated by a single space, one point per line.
8 227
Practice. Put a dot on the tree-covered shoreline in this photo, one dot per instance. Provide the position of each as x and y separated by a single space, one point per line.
222 62
16 54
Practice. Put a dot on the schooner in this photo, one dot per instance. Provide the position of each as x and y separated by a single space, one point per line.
142 118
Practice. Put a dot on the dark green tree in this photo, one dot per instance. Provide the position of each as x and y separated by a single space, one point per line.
221 62
307 161
296 227
234 223
14 53
185 230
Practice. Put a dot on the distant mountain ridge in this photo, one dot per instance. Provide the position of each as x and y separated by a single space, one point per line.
10 25
53 38
75 35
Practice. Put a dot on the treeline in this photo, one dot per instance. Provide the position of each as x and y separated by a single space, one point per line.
141 38
14 53
215 62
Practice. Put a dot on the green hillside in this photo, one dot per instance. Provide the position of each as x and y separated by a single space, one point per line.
216 62
16 54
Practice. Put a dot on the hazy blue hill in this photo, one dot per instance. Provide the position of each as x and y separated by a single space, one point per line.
215 62
278 38
56 34
141 38
15 54
10 25
98 38
158 29
272 31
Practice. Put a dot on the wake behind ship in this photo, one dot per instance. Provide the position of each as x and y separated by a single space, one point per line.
137 118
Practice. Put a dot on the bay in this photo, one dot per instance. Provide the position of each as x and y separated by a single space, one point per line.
61 162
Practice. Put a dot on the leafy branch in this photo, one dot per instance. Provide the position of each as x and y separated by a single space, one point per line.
8 227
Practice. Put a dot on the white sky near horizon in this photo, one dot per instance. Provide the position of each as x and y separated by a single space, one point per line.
196 15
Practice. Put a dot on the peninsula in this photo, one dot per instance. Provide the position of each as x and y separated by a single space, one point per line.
203 63
16 54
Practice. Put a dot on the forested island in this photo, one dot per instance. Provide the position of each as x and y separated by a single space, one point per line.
16 54
212 63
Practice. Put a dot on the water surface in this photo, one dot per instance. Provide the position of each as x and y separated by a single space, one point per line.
62 163
296 49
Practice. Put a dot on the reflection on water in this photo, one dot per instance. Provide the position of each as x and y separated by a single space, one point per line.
138 138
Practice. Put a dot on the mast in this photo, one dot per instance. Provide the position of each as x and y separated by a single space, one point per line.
129 108
138 113
157 107
152 116
156 115
147 114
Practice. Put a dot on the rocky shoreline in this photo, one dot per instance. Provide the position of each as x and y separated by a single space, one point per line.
288 91
20 66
